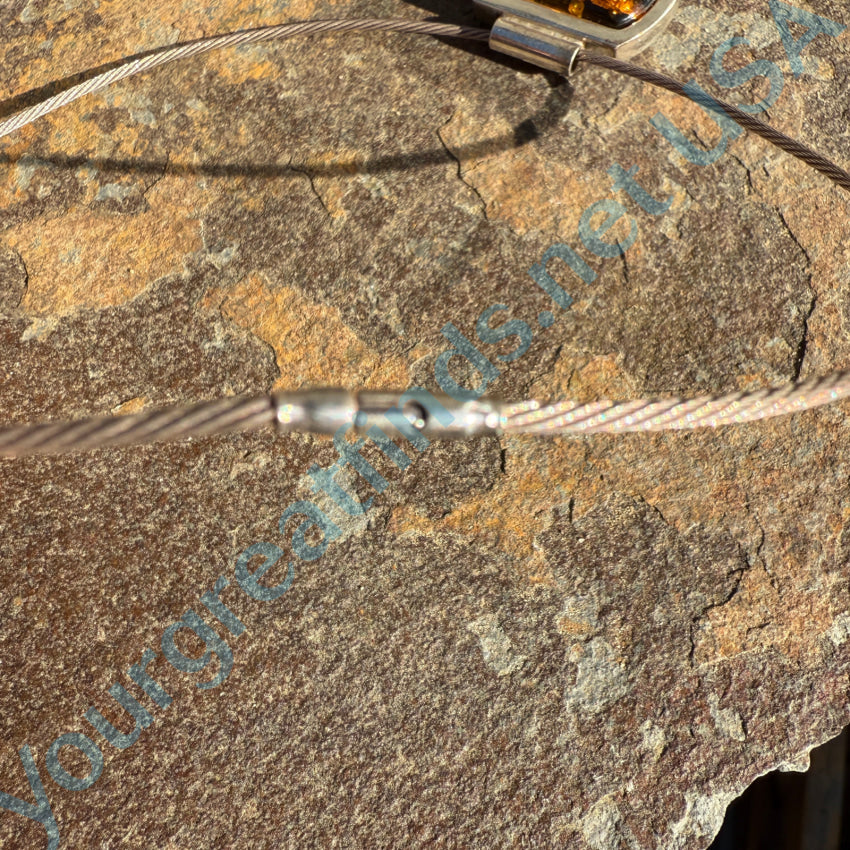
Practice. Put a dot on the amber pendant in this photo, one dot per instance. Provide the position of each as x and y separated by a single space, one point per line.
609 13
543 32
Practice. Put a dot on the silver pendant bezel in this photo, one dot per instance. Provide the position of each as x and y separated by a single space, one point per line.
623 43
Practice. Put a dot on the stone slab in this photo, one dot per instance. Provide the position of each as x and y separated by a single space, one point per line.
589 643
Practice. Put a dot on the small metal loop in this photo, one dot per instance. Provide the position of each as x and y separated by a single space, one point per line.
571 68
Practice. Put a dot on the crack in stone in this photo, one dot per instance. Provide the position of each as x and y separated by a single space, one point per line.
460 176
800 354
545 369
711 606
26 285
802 346
158 178
751 185
657 511
238 329
793 235
304 172
757 557
19 284
739 576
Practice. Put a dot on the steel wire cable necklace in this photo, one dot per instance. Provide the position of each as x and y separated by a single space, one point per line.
523 29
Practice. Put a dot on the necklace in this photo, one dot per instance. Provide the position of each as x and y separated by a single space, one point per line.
555 36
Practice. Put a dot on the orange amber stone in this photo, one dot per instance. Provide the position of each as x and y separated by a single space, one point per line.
612 13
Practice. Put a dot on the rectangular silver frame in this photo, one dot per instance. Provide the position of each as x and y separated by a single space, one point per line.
622 43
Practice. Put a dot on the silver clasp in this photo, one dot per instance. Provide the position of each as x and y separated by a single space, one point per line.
537 43
410 413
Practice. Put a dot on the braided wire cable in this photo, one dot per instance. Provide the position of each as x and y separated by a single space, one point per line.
525 417
797 149
611 417
163 56
171 423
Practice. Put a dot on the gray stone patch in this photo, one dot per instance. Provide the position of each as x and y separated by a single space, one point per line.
654 740
600 678
703 818
839 631
727 721
114 192
496 646
603 827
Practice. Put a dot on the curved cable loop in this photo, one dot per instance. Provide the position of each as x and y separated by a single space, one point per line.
797 149
276 32
525 417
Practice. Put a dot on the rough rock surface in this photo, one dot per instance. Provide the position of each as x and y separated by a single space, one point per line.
591 643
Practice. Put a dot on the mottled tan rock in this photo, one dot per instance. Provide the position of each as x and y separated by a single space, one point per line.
594 643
